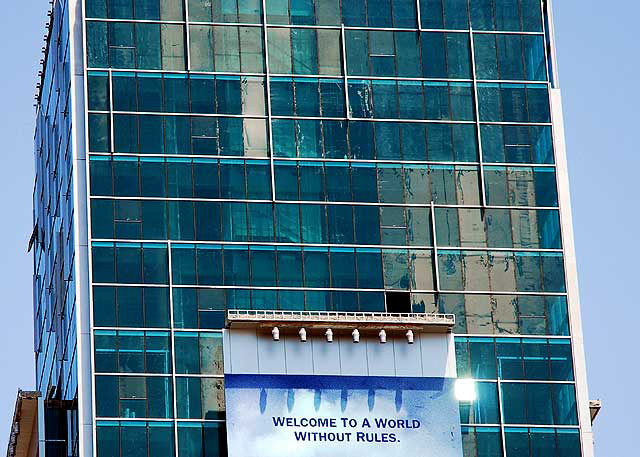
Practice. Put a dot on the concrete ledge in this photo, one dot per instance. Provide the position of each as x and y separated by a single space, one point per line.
439 323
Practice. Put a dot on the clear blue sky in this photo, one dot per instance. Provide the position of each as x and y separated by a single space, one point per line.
598 64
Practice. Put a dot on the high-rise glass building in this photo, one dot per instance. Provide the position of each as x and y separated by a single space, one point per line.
398 156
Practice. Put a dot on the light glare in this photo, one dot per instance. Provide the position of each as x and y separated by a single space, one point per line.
465 390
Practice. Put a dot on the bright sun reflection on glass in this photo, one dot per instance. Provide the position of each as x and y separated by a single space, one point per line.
465 390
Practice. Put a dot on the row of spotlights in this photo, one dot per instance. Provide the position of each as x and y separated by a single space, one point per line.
465 389
355 335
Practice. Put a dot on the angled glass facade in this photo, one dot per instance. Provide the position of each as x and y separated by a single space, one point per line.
343 155
53 239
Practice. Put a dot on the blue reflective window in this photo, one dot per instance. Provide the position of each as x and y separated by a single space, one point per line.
284 137
313 224
387 137
338 182
198 353
517 442
135 9
287 223
385 104
312 181
208 265
444 14
514 403
510 57
568 442
180 178
183 264
134 396
181 222
344 301
196 398
484 410
332 97
153 181
201 439
521 186
97 49
176 94
560 358
343 268
482 441
289 267
360 99
539 403
258 180
309 138
291 300
136 45
510 102
99 134
131 306
261 221
202 93
286 179
335 139
236 265
510 358
263 266
382 53
282 97
354 12
185 304
361 140
366 217
132 352
304 51
318 300
246 11
307 97
482 357
369 265
206 180
98 91
364 182
316 267
517 144
234 222
534 314
340 224
507 15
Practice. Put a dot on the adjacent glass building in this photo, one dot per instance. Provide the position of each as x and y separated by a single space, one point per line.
194 156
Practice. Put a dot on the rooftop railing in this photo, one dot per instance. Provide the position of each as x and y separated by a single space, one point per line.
236 315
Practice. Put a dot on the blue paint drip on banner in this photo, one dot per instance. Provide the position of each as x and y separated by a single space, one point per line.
333 382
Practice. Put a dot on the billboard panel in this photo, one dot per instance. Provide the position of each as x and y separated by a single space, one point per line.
324 416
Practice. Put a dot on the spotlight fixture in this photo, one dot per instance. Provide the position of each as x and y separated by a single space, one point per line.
383 336
409 336
329 335
355 335
275 333
303 335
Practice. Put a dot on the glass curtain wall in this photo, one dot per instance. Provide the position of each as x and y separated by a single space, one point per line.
348 155
52 240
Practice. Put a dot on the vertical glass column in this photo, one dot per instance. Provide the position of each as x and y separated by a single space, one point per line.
267 68
483 193
173 345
